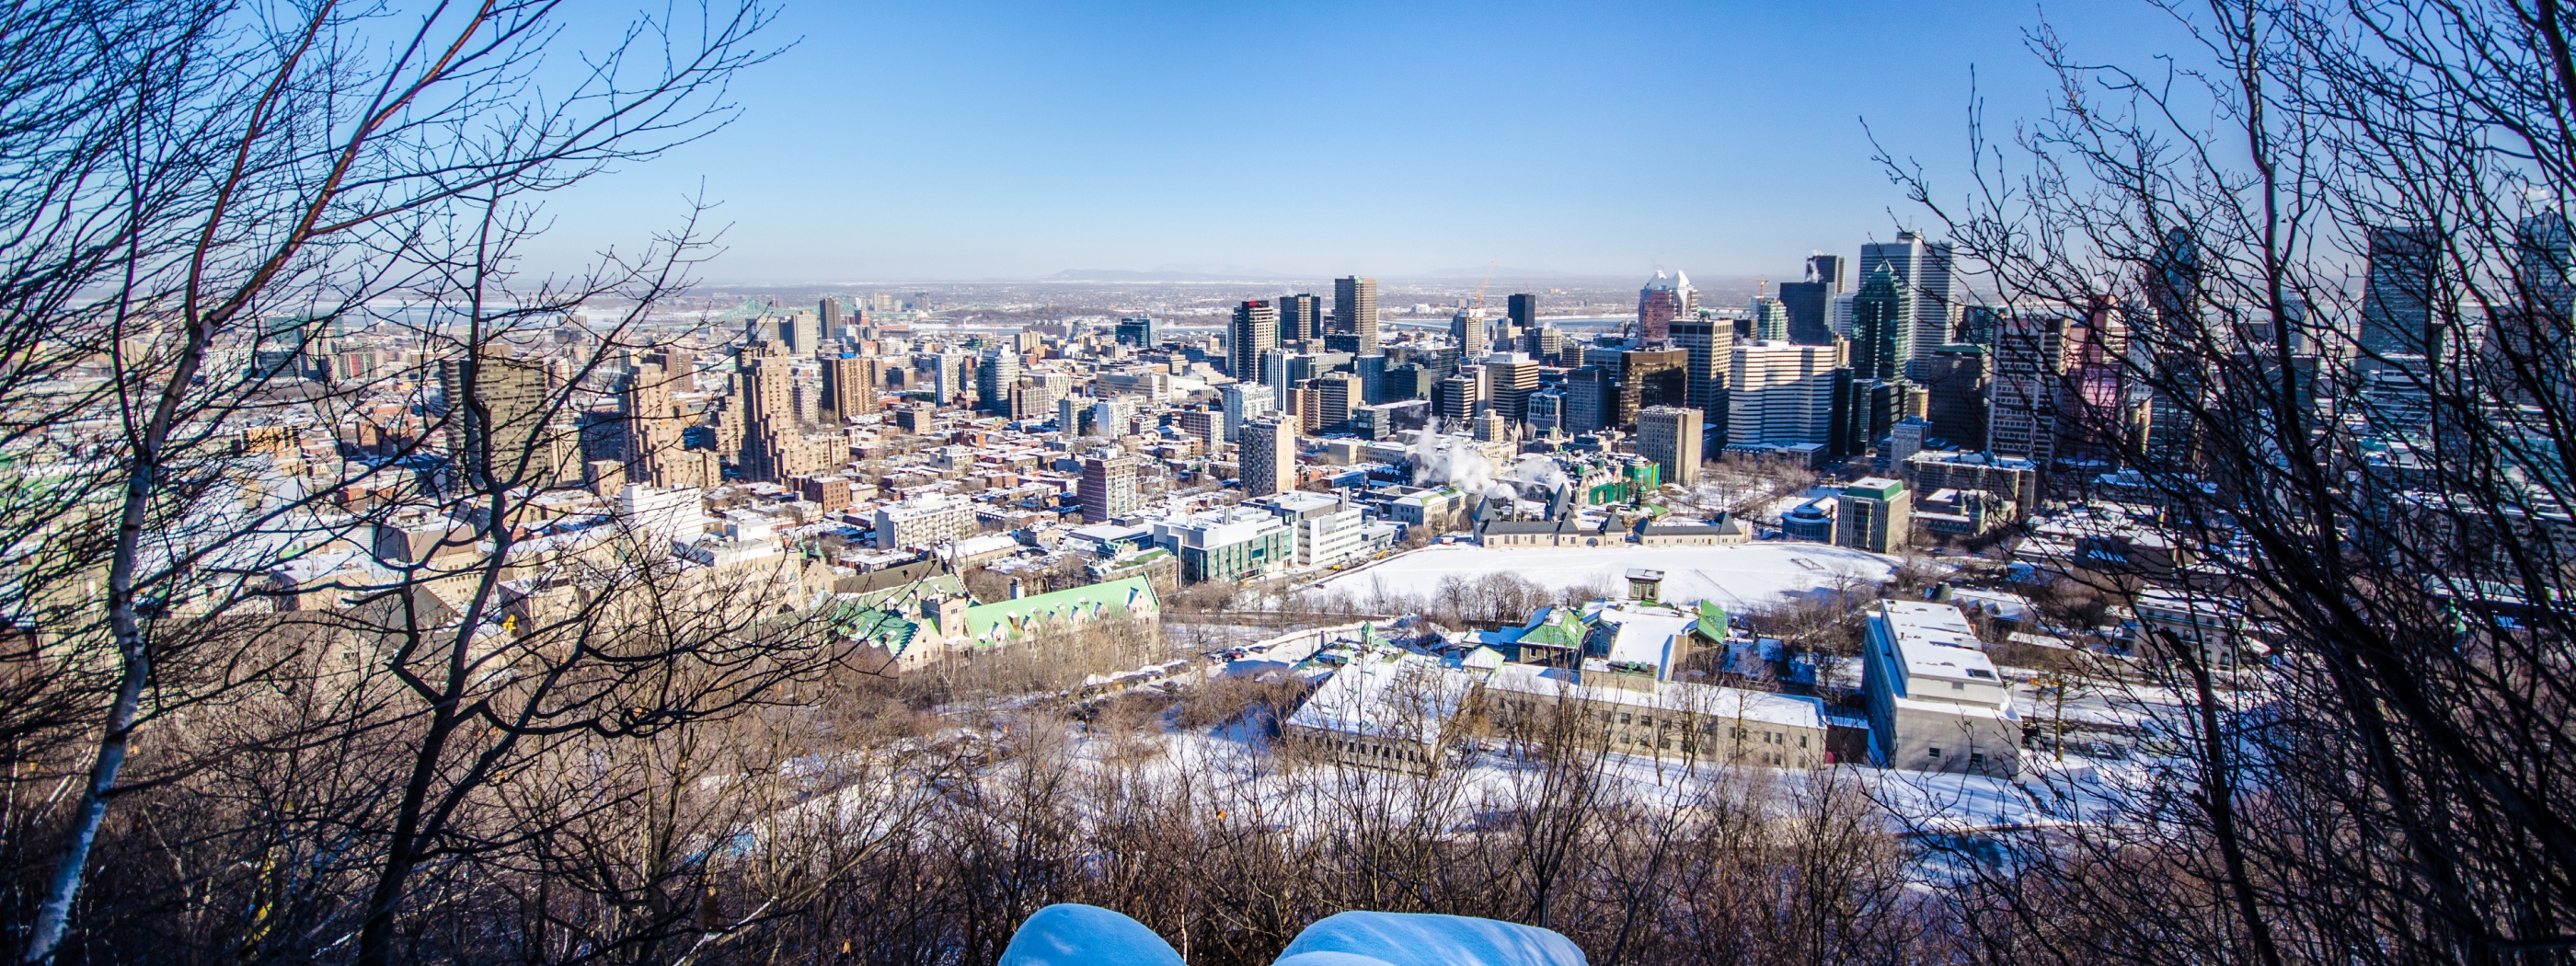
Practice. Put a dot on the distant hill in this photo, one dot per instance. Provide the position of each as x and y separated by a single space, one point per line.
1161 275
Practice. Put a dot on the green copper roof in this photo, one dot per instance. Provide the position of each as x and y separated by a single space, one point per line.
1012 620
1712 621
1556 627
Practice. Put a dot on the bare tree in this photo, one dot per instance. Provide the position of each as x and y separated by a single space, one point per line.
2310 282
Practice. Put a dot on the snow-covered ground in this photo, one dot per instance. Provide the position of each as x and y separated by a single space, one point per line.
1741 575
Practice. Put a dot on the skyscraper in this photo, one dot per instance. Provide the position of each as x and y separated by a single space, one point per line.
1770 319
803 333
1670 435
1255 330
1663 299
1922 274
2397 294
2030 366
1471 334
1810 303
1650 377
994 380
1355 311
1881 339
1827 269
1108 487
1522 309
1341 394
1301 316
1139 331
1269 458
829 315
1510 378
1781 394
1589 392
1707 343
1958 377
1456 397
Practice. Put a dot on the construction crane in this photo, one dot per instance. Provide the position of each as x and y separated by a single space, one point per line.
1489 280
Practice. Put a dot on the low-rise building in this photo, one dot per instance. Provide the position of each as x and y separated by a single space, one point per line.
1664 719
1936 702
1235 543
1328 528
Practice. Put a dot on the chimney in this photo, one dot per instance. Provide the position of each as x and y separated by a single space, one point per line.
1019 588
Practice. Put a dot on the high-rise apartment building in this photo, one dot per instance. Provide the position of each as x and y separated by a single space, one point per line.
828 313
1781 394
1039 393
1255 330
1663 299
1355 311
1301 317
850 386
496 420
1269 456
1510 378
1108 487
2030 369
1243 403
1921 270
803 333
1670 435
1706 345
2397 293
995 379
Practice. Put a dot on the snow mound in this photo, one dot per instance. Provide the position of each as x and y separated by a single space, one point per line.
1069 934
1416 939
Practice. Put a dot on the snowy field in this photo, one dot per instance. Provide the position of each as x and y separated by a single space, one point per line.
1740 575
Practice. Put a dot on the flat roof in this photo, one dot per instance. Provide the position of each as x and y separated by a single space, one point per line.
1707 700
1935 641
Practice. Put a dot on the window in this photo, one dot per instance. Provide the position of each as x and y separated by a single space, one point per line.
1623 717
1646 720
1958 685
1935 754
1802 741
1977 760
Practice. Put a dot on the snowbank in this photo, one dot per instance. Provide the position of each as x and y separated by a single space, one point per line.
1738 575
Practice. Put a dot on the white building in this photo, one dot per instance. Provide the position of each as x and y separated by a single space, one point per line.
671 514
924 521
1935 700
1781 393
1329 530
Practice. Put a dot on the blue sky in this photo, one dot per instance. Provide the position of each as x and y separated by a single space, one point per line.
967 139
